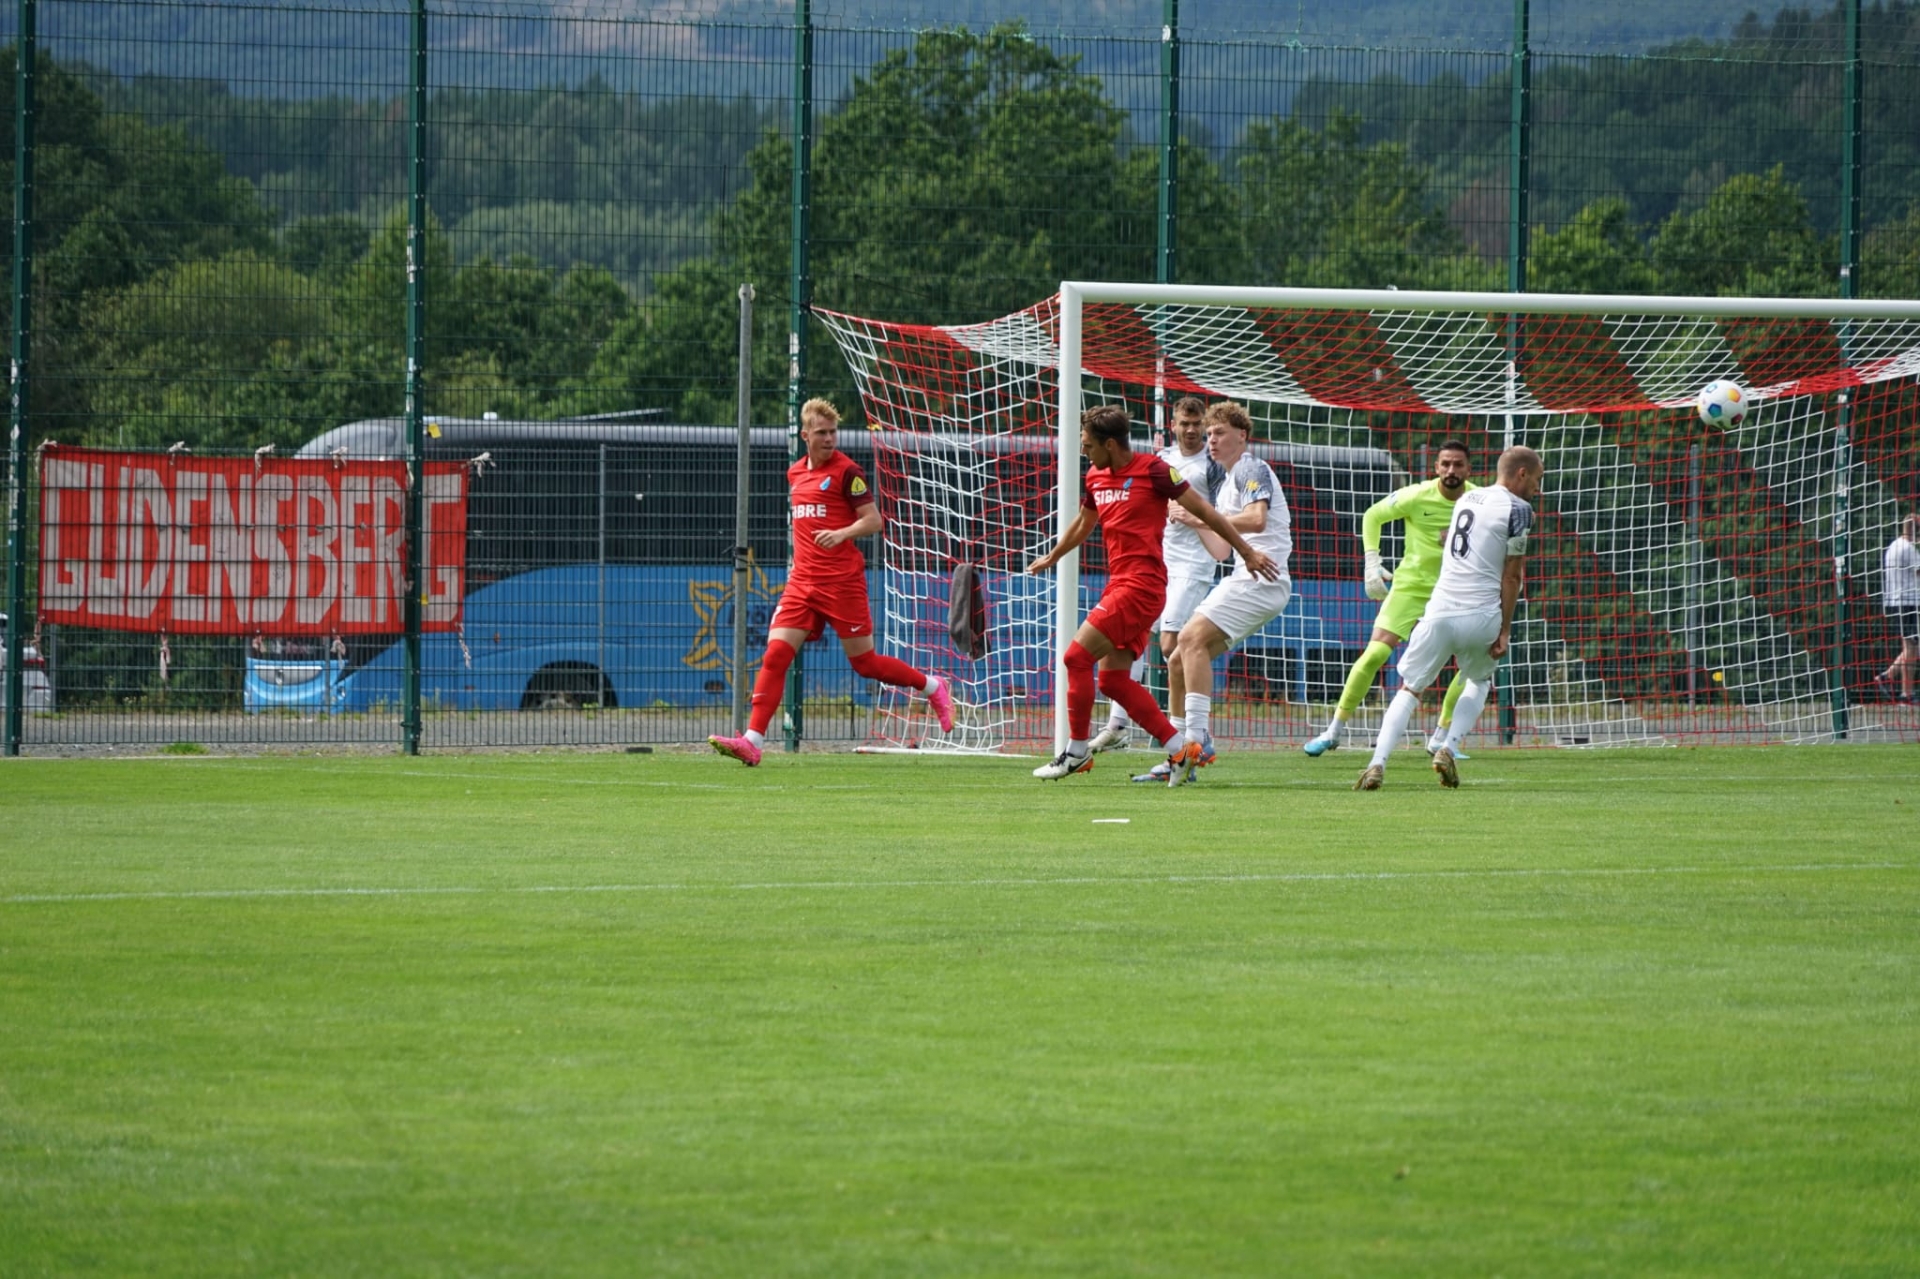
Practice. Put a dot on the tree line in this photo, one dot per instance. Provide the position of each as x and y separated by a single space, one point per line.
180 295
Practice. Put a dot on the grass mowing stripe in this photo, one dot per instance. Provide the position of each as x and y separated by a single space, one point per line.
1067 881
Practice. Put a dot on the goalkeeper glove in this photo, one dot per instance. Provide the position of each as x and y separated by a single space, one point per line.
1377 577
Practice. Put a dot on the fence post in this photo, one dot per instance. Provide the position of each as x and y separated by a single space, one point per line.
799 303
1843 416
23 87
742 502
416 350
1167 249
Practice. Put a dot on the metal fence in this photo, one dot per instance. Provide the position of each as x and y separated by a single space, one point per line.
248 225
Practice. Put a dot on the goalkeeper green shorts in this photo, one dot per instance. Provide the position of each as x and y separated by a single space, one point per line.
1403 607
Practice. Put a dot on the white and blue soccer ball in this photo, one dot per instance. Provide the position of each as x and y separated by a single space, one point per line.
1722 402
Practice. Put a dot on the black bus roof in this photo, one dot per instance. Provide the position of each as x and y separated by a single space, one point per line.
454 436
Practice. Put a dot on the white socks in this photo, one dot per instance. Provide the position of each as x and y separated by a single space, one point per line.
1393 726
1199 716
1473 700
758 739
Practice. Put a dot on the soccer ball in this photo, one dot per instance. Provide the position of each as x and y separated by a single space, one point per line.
1721 403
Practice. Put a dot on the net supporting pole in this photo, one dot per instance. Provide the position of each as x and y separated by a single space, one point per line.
1067 574
1843 416
742 496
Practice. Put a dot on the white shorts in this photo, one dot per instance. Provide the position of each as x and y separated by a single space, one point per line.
1462 636
1183 596
1240 606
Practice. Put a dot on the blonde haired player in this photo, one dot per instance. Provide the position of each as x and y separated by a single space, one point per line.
831 504
1470 617
1252 503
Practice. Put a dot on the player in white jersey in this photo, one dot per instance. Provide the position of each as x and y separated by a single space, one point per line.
1190 565
1470 616
1900 595
1236 607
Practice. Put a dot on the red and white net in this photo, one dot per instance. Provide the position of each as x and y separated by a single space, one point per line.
1683 582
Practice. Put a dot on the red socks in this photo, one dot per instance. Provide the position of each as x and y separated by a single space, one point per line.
873 664
1079 664
1131 696
770 685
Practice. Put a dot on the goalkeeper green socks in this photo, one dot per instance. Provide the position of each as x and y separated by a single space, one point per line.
1361 677
1452 699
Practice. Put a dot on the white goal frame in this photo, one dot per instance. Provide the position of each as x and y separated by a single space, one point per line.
1075 295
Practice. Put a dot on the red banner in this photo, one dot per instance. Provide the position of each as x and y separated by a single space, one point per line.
235 546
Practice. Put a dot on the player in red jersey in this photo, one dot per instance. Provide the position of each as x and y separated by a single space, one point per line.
832 505
1126 495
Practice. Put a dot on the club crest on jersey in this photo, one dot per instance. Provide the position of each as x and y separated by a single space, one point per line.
826 484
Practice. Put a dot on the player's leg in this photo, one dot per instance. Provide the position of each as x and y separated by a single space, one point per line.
1393 623
1447 705
870 663
1183 594
1425 654
1117 682
1088 648
1119 728
769 686
1470 638
1233 610
1201 640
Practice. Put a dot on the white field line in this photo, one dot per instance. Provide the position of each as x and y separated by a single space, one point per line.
1037 881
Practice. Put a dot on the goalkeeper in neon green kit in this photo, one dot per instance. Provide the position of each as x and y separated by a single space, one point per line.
1427 509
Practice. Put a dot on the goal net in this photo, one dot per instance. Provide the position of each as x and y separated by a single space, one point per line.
1688 582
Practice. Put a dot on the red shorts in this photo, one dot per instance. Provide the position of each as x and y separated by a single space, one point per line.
812 607
1128 613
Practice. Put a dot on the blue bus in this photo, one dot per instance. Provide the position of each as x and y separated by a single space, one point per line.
599 568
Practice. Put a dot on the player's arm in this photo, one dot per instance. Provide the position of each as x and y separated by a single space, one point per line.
1077 532
1377 517
1251 518
1258 563
1513 576
866 522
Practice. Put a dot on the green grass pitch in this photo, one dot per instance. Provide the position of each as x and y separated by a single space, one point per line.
1595 1013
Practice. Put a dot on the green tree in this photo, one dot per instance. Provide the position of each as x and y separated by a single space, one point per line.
1753 237
228 353
1324 208
964 178
1890 258
1600 251
117 201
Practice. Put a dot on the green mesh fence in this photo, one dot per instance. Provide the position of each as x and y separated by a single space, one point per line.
219 263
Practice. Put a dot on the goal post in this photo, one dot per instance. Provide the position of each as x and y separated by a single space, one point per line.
1690 582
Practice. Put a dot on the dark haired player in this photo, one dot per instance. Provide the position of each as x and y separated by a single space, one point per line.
1125 495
